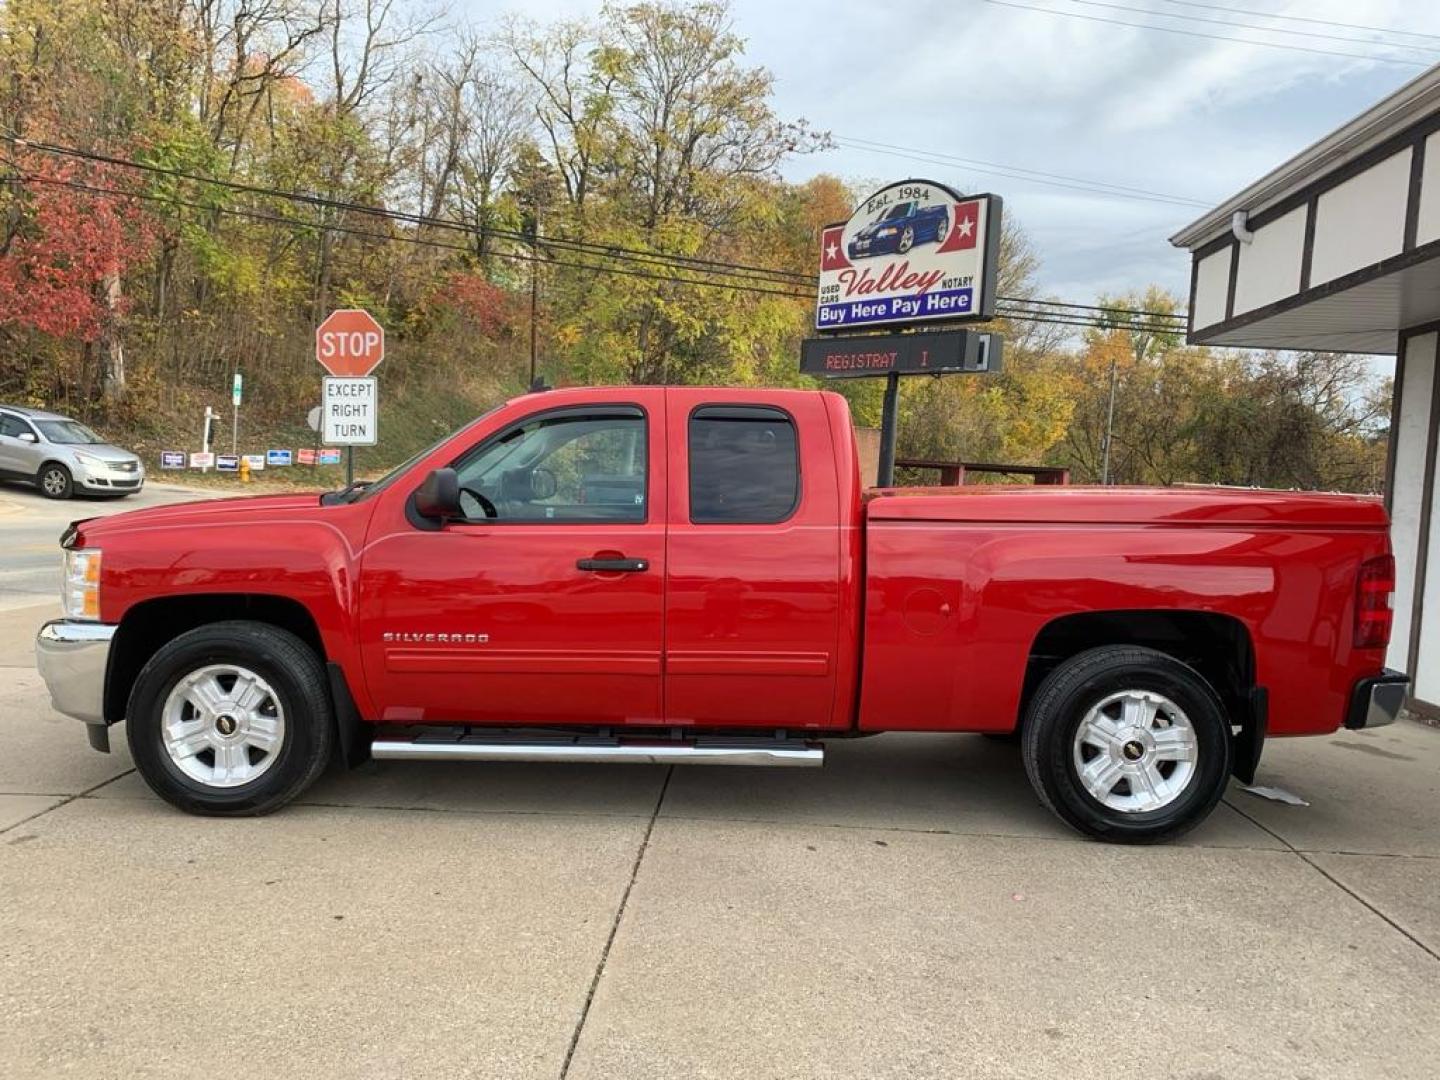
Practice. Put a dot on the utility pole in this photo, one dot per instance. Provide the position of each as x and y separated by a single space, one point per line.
1109 426
534 288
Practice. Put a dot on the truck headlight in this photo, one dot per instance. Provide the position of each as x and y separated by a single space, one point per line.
80 595
88 459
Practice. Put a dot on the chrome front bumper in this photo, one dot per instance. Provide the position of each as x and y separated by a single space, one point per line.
72 657
1376 702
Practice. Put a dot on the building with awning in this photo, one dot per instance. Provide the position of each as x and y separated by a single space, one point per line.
1338 250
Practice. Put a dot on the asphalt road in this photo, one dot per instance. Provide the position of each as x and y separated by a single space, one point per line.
30 528
909 911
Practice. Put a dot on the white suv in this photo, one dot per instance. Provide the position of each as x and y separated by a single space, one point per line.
61 456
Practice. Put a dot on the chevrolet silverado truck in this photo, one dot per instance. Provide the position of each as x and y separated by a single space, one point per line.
653 574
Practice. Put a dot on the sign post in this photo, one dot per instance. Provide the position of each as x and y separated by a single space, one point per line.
236 389
350 344
915 254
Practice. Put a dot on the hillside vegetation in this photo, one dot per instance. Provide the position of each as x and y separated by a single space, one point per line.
188 186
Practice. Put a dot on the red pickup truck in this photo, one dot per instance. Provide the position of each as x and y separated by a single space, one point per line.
696 575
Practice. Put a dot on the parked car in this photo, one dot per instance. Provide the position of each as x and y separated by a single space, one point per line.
61 456
676 574
899 229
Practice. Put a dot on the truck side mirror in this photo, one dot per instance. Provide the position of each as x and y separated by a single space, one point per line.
438 498
27 436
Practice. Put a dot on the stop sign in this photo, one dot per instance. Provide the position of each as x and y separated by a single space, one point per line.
349 344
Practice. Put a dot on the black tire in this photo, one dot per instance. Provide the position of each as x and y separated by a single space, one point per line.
1060 705
298 679
54 481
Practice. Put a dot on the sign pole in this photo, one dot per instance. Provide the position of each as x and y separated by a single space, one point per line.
349 465
235 391
889 421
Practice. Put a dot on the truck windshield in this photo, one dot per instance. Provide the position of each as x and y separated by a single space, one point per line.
67 432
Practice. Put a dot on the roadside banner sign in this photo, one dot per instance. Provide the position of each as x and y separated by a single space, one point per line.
305 456
202 461
350 407
256 462
172 459
329 457
227 462
349 344
913 252
276 458
237 389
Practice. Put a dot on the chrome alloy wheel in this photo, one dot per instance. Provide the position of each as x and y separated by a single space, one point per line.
53 482
223 725
1135 751
907 240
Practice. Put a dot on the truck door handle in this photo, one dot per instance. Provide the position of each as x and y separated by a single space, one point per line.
614 566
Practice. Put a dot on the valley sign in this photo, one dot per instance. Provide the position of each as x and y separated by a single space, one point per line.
914 252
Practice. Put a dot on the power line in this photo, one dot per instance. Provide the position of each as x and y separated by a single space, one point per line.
1251 26
931 159
1035 173
1010 310
420 220
1006 307
1303 19
1006 311
293 223
1212 37
687 263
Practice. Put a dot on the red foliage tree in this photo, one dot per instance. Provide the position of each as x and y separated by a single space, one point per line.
489 308
68 242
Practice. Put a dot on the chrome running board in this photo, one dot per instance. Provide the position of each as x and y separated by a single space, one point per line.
479 746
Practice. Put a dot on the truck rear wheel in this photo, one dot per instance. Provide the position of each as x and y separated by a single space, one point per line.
1127 744
231 719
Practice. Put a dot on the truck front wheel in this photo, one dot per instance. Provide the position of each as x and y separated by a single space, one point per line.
1127 744
231 719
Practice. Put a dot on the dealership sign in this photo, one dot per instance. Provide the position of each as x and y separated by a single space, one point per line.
914 252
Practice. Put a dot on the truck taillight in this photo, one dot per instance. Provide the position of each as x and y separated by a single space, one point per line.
1373 614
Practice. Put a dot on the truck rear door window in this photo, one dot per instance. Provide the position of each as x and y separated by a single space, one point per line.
744 465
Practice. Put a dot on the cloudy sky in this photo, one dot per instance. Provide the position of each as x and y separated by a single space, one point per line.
1049 91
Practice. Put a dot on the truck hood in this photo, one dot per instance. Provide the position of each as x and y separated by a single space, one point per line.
246 510
1212 506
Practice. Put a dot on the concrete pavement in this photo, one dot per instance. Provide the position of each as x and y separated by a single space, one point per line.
909 911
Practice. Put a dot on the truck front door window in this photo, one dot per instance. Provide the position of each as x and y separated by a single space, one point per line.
576 469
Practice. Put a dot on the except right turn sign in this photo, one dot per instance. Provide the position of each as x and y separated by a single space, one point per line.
349 344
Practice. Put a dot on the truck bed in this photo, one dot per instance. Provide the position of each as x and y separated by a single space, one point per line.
962 583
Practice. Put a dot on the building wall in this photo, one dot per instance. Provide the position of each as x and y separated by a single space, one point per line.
1342 227
1424 623
1411 437
1362 220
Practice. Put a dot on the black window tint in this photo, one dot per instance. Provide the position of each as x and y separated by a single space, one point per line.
585 466
13 426
744 466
